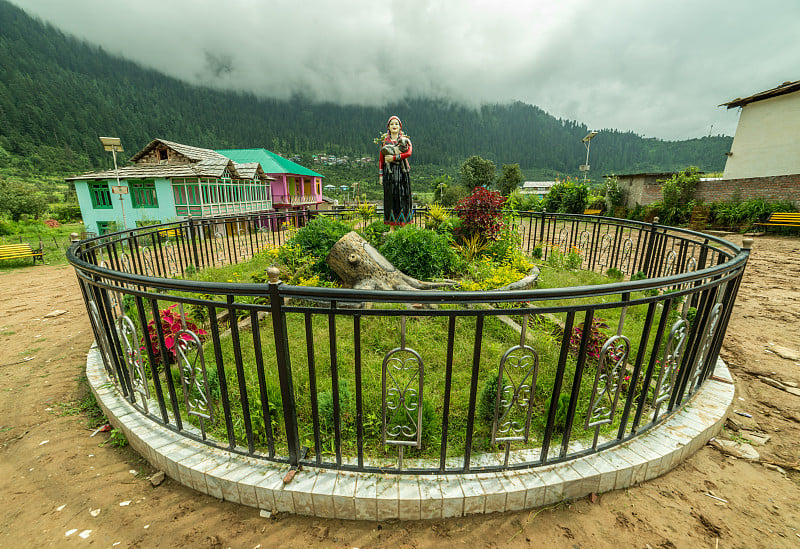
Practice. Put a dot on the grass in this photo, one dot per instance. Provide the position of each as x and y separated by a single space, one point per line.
379 335
55 242
85 405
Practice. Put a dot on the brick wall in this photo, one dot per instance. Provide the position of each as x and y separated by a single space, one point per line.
778 187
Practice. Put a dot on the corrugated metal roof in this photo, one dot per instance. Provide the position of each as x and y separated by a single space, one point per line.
786 87
270 162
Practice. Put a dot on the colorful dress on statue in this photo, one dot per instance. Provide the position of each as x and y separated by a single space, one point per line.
396 180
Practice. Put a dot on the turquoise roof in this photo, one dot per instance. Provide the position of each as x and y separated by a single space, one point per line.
270 162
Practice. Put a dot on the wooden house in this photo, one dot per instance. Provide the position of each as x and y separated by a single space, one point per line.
295 188
168 182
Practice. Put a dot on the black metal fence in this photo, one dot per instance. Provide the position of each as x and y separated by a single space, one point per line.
423 382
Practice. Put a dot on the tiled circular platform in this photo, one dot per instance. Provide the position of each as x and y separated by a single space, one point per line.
368 496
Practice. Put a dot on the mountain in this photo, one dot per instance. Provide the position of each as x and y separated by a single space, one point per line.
58 94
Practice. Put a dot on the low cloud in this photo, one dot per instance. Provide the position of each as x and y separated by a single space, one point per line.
659 69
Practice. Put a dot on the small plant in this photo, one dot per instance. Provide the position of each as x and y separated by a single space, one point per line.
171 324
116 438
537 251
365 211
472 246
561 260
562 407
691 315
614 273
437 214
595 342
488 399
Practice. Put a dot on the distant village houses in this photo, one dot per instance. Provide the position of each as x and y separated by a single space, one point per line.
537 188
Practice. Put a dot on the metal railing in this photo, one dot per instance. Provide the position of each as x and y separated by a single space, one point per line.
409 381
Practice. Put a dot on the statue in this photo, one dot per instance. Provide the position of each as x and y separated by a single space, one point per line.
394 174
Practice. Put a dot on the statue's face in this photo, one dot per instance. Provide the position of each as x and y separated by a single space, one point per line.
394 127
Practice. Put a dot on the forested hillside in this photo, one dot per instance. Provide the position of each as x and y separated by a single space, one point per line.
58 94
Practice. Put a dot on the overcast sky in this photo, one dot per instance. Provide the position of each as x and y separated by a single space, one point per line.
658 68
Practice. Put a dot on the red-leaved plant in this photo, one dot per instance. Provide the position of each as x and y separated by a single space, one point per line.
481 213
596 338
171 325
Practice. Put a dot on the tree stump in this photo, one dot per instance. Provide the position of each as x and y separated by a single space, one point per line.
362 267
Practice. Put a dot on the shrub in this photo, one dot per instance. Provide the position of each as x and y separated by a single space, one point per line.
562 407
420 253
437 214
678 196
481 212
316 240
66 212
595 342
615 195
375 233
170 324
453 194
567 197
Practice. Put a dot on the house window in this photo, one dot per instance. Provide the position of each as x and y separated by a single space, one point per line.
101 196
143 194
162 154
105 227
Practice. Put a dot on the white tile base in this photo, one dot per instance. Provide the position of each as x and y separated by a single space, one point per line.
369 496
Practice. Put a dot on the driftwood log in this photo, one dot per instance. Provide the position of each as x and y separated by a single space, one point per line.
362 267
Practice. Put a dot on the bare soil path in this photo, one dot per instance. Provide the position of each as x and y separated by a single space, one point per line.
54 477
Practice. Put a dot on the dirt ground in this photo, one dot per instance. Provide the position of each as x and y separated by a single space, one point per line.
54 477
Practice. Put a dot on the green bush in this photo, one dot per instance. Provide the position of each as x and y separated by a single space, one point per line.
678 196
316 240
566 197
66 212
420 253
738 214
375 233
615 195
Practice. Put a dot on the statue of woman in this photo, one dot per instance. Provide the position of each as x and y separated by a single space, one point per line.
394 174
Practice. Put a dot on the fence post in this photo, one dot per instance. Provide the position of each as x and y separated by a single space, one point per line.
650 247
193 240
284 366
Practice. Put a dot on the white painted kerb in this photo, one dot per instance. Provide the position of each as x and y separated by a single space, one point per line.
370 496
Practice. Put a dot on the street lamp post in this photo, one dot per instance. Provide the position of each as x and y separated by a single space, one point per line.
114 144
586 142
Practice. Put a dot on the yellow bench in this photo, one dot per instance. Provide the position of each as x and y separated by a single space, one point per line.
781 219
169 233
17 251
587 211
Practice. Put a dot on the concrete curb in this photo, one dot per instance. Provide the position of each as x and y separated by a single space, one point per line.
370 496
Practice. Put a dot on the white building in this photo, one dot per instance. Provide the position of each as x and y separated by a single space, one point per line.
538 188
767 140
